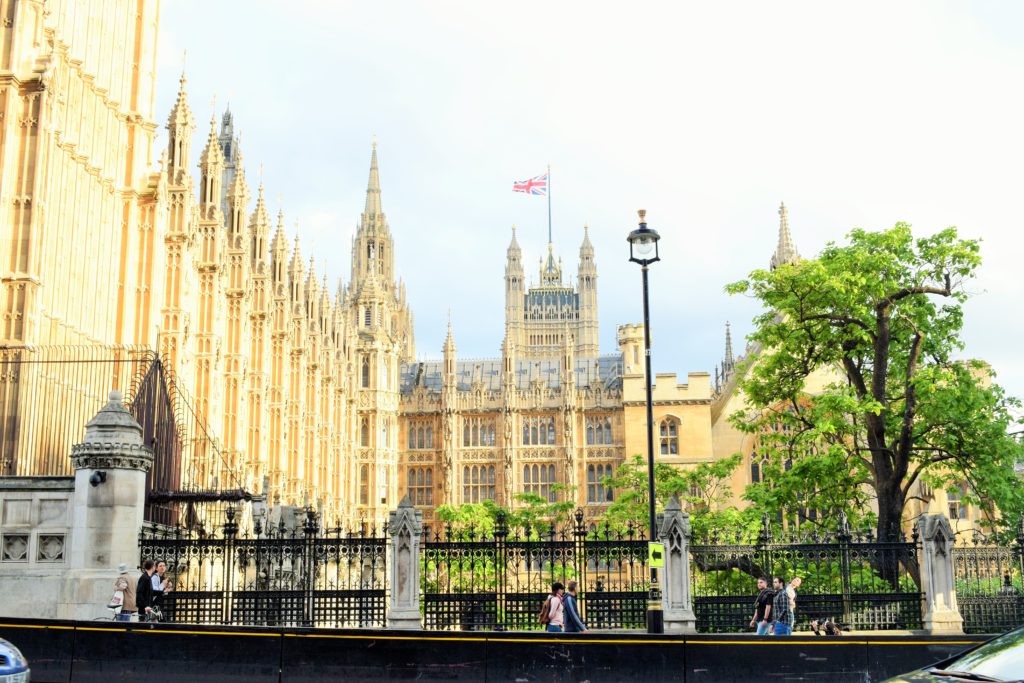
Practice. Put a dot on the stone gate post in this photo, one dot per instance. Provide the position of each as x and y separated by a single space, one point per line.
941 612
405 525
676 600
107 510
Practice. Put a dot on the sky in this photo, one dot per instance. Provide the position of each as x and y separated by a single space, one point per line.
707 115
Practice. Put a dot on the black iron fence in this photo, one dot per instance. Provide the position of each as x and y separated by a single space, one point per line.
285 575
498 580
989 586
852 579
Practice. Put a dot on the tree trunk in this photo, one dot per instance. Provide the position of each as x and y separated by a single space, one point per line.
892 559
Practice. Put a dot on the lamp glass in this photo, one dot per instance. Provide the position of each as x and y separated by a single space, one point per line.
643 247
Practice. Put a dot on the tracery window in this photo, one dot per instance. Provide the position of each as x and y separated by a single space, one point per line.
599 431
538 479
538 431
364 484
669 436
597 491
364 433
477 431
420 485
365 373
478 483
421 435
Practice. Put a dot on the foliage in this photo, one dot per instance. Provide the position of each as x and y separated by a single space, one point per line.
882 315
703 490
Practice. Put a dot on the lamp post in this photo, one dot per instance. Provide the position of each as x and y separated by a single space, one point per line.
643 249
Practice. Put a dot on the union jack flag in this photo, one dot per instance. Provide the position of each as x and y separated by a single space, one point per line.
537 185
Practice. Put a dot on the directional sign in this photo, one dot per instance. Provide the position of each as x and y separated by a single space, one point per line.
656 554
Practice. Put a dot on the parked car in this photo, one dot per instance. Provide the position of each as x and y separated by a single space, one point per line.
13 665
1000 660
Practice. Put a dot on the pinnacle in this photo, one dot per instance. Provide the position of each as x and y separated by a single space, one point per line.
373 205
785 252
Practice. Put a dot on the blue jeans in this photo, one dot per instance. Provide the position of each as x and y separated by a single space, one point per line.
783 629
553 628
763 627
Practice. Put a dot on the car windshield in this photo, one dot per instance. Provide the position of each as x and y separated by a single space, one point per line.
1001 658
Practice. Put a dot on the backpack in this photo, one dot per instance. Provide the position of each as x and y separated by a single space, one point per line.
544 616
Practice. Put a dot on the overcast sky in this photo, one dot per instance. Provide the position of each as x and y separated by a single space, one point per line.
706 114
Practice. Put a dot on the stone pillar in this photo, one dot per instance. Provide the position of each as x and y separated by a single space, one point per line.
110 492
941 612
676 600
405 525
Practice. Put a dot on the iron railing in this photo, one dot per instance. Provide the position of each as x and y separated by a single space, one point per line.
854 580
49 393
499 580
292 574
990 582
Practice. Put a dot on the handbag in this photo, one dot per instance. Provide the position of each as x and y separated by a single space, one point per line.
116 602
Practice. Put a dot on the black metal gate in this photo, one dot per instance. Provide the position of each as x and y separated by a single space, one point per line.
498 581
989 587
854 580
279 576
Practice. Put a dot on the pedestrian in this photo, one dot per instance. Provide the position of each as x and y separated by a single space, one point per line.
160 583
573 622
552 613
124 584
762 619
144 589
782 612
791 592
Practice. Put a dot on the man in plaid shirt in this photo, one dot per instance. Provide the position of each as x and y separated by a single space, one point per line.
782 610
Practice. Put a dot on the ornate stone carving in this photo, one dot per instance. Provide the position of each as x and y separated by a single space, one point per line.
113 440
405 526
15 548
50 548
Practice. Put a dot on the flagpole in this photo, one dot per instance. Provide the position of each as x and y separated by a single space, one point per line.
549 203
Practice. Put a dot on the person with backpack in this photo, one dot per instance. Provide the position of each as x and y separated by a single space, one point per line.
552 612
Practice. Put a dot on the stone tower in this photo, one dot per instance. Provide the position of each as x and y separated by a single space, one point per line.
382 340
538 318
785 252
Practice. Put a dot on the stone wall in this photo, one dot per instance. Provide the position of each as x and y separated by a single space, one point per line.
35 540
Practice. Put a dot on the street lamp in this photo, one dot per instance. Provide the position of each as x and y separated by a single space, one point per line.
643 249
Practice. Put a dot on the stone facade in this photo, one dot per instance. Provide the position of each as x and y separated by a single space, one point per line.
312 388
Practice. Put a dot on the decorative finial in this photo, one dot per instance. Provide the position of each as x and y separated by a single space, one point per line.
643 215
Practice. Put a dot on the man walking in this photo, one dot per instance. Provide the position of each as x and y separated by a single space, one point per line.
144 589
573 622
762 618
782 613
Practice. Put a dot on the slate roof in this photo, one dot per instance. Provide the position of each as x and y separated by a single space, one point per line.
603 371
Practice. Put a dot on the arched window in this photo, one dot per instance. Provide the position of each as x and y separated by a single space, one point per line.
478 483
465 435
430 437
420 485
590 433
367 317
543 432
669 436
412 436
364 433
608 431
364 485
365 372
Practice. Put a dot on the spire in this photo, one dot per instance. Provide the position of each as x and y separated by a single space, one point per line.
180 125
259 225
513 246
587 248
449 341
373 186
785 252
728 362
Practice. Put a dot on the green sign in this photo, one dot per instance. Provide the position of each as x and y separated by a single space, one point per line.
656 554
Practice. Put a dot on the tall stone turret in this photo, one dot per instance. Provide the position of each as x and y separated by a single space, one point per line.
785 251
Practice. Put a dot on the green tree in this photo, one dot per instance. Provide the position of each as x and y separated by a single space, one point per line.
703 489
884 314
